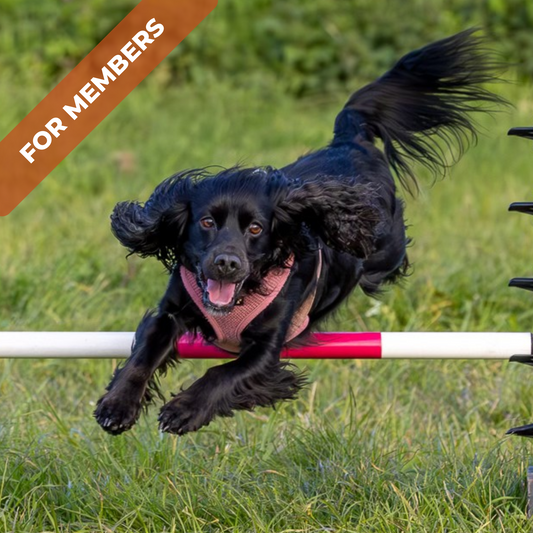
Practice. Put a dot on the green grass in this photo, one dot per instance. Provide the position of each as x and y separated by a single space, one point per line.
369 446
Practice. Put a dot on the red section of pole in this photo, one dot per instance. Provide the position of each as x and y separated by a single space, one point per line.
322 346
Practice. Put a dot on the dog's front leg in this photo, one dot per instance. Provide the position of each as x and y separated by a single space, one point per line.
154 346
256 378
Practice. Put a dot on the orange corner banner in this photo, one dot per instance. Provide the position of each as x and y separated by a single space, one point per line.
91 91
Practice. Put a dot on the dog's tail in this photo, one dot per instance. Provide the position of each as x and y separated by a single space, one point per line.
429 94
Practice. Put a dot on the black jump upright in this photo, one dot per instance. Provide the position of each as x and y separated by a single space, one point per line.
522 283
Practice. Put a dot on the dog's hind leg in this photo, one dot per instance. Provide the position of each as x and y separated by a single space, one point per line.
256 379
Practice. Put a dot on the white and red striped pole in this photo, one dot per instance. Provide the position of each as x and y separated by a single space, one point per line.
403 345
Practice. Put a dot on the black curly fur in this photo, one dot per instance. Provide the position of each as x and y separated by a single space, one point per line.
339 203
343 213
276 383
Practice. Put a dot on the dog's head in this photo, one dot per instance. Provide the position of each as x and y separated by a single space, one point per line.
232 227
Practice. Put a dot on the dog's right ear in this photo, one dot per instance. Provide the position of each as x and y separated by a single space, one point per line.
158 227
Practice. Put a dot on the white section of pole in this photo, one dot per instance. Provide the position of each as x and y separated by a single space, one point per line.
428 345
62 344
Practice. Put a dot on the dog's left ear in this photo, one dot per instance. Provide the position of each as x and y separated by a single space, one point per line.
344 214
158 227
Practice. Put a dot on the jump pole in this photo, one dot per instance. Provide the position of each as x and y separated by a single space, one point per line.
387 345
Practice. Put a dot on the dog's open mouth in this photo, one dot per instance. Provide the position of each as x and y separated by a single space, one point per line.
219 296
220 293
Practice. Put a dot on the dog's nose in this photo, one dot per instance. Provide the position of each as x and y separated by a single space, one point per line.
227 263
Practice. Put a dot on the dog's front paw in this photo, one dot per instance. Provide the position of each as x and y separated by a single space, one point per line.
116 414
184 414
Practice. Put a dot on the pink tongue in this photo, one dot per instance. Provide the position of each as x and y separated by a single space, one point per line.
220 292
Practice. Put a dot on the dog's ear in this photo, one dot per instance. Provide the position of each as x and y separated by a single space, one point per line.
158 227
346 215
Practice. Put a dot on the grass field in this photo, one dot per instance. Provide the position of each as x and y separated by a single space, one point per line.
381 446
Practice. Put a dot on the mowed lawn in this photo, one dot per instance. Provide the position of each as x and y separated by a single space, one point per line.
381 446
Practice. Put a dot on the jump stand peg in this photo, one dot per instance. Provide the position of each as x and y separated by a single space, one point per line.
522 283
526 133
522 207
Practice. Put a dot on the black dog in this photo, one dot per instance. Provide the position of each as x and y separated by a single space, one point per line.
258 256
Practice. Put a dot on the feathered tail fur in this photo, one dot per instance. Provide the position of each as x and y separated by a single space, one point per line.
429 94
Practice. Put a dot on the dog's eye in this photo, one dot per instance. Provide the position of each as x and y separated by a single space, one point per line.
207 223
255 229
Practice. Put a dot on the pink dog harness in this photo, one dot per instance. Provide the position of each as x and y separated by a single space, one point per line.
228 328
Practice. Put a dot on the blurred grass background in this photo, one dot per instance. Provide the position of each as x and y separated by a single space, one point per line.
369 446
